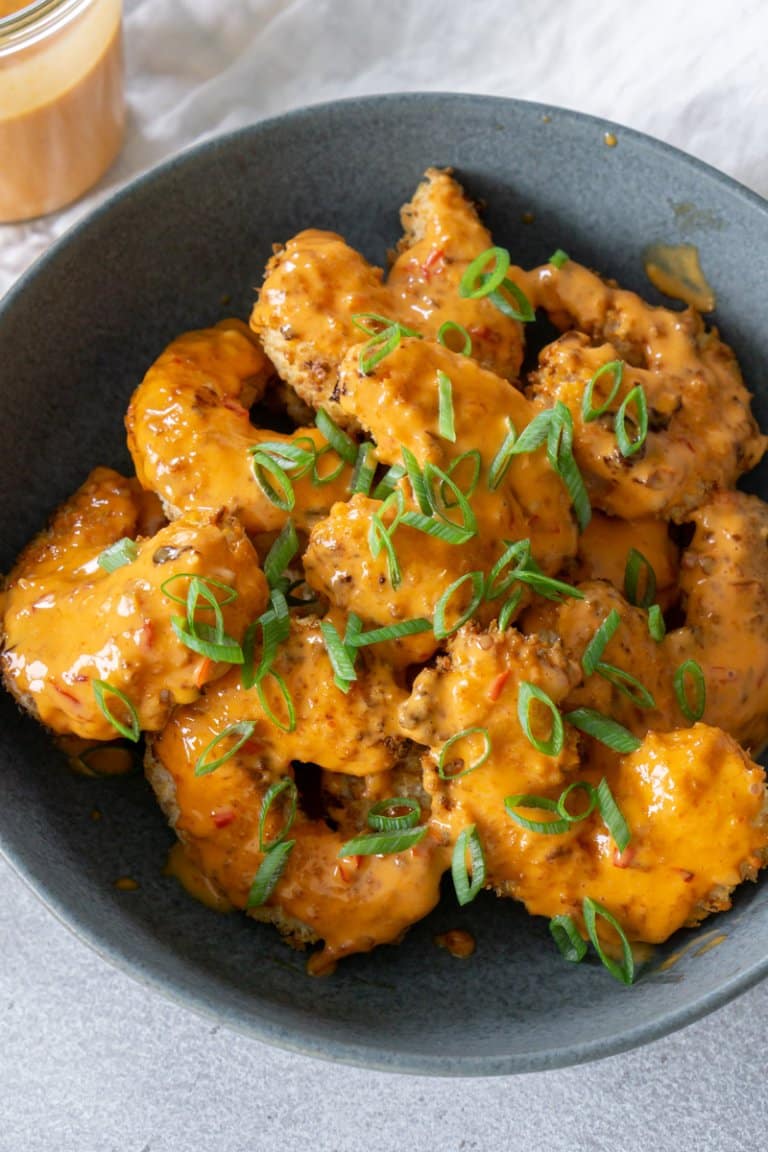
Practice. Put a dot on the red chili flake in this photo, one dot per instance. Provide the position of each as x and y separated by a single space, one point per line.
497 685
252 747
483 332
67 695
435 256
233 406
148 633
625 858
347 867
686 875
223 816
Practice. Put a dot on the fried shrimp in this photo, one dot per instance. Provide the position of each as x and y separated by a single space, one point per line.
192 441
316 285
701 432
352 903
605 546
683 859
68 622
724 586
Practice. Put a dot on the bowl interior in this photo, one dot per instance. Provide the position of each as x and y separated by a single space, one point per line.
185 246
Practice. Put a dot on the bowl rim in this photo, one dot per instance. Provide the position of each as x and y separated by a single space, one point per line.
127 958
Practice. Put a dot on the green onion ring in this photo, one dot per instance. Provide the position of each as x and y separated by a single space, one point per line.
380 819
481 759
102 688
466 889
244 729
527 693
439 625
566 935
629 447
588 413
119 554
624 971
383 843
276 789
694 712
270 871
476 282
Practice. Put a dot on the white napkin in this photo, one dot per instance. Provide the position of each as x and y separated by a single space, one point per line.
692 74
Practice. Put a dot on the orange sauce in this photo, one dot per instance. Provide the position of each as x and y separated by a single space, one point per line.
193 880
61 110
675 269
456 942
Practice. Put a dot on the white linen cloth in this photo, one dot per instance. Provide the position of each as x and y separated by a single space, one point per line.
695 75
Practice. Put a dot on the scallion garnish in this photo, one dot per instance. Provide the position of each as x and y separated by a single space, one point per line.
568 939
436 481
281 553
604 729
290 722
132 730
275 628
207 641
527 694
341 443
445 419
439 625
562 801
440 529
593 653
448 768
319 479
364 470
527 572
503 458
628 447
468 881
207 581
562 460
692 711
616 369
508 609
525 800
276 789
380 534
472 454
627 684
388 815
342 658
558 258
612 817
637 564
523 313
382 322
656 625
624 971
118 554
416 479
381 343
281 494
383 843
477 281
270 871
534 434
390 632
445 331
517 552
244 730
388 482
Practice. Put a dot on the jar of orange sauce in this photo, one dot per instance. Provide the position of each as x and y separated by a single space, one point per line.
61 101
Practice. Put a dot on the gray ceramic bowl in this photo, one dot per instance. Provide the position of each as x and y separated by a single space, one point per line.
76 336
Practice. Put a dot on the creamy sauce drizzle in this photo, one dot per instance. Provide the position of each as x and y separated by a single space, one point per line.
675 269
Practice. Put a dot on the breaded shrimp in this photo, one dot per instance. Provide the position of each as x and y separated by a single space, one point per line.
724 586
605 545
316 283
66 621
190 435
702 434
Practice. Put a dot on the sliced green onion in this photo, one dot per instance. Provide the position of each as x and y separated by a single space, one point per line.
281 494
380 817
526 695
476 281
364 470
656 625
451 326
377 348
562 805
624 971
508 608
525 800
231 593
380 535
319 479
523 313
534 434
198 589
694 711
546 586
602 728
383 843
207 641
341 443
284 784
382 322
289 455
558 258
416 479
627 684
118 555
102 688
637 563
503 458
445 419
439 625
388 482
437 481
353 630
561 458
440 529
275 629
612 817
472 454
290 723
593 653
443 763
391 632
519 553
281 553
629 447
616 369
342 661
270 871
468 887
566 935
244 729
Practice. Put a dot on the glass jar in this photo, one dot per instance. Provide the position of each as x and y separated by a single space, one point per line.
61 101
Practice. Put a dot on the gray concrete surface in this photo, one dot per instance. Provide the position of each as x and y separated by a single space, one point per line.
91 1061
